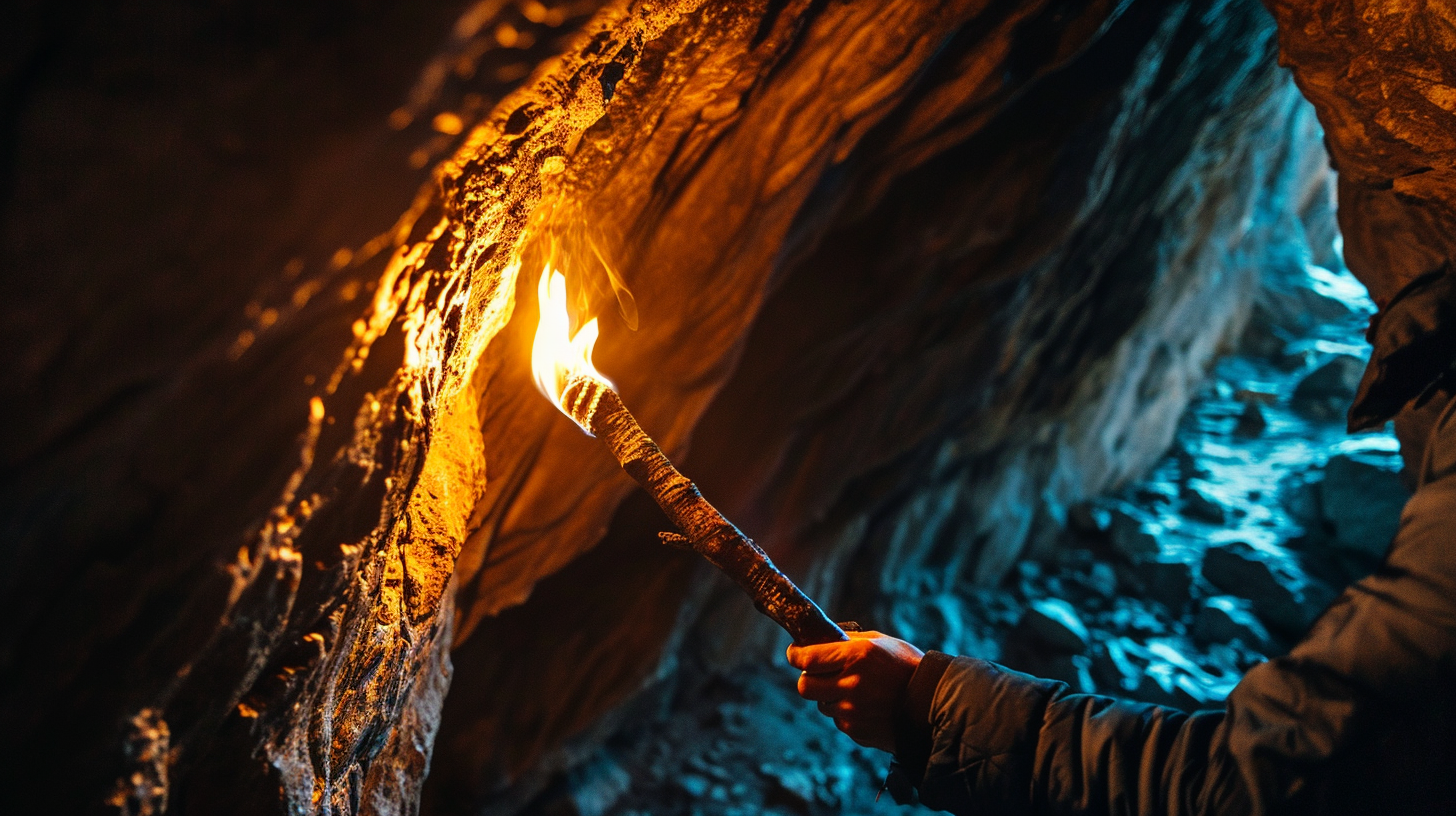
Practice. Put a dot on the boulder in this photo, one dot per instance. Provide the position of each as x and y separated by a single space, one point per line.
1326 392
1130 536
1283 596
1054 623
1361 497
1199 504
1168 581
1225 618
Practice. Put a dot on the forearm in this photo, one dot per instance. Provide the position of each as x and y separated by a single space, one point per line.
1005 742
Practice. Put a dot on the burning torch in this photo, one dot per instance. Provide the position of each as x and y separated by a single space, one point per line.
564 372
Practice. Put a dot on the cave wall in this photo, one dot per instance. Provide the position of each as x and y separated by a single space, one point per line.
200 205
987 313
907 281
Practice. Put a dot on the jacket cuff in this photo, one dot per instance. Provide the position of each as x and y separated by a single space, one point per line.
912 725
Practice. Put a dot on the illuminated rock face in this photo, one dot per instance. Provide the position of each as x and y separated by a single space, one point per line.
911 278
996 305
1380 75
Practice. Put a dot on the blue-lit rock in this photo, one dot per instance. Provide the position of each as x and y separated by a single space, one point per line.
1054 622
1284 597
1130 536
1224 618
1327 391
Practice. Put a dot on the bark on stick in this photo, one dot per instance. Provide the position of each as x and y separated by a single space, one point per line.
598 409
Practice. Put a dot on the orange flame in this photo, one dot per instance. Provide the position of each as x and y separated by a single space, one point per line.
557 356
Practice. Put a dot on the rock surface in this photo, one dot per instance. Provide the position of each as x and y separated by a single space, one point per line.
1131 536
1225 618
1054 622
1378 74
1101 630
888 418
1282 595
1325 393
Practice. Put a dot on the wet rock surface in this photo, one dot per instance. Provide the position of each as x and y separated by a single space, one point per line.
742 745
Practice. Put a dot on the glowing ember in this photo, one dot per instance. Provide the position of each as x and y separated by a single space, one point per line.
557 356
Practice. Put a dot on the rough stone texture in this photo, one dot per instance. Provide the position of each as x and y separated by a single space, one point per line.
228 545
1224 618
1131 537
1055 623
1380 75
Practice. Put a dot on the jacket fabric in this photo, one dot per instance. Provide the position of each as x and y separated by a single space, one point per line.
1359 718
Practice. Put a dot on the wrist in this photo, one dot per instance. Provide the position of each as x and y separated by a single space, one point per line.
913 732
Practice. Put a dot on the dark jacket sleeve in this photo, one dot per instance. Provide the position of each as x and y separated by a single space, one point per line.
1378 661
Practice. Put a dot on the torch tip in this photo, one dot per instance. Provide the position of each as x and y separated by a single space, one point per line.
581 398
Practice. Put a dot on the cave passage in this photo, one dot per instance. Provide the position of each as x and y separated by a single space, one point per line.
1103 341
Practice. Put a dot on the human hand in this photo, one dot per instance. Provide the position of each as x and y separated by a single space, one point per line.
860 683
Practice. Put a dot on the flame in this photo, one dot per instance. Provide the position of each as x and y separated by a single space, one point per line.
557 356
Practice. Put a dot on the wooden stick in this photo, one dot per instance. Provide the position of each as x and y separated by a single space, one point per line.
598 409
